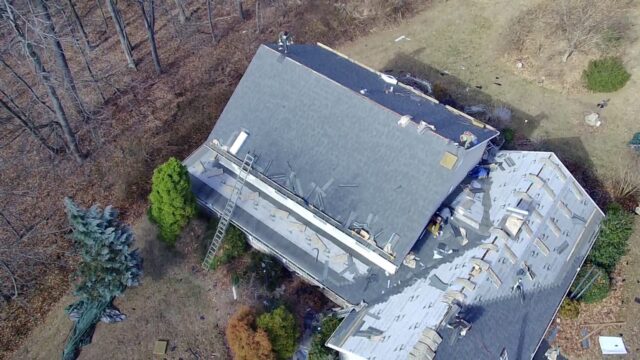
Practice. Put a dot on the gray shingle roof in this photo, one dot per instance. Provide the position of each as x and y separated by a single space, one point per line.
315 134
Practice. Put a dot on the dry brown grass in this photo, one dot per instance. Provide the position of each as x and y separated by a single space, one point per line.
556 39
623 183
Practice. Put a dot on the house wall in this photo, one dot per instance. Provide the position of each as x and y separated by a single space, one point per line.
264 248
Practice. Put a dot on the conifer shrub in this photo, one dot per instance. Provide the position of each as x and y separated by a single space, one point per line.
172 202
605 75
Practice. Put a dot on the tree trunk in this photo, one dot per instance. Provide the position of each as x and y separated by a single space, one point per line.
78 21
240 9
148 15
182 16
29 125
258 16
85 60
122 34
61 60
210 15
26 84
104 18
61 117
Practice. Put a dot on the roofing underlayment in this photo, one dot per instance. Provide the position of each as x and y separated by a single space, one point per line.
343 153
329 156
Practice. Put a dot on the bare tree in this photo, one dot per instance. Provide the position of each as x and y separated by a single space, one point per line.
104 18
22 258
210 16
26 85
181 12
148 15
61 59
79 25
258 17
85 60
584 23
61 116
26 123
240 9
122 33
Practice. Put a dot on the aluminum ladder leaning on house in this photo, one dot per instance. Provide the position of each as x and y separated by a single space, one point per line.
225 217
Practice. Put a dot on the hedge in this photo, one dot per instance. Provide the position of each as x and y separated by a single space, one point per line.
612 241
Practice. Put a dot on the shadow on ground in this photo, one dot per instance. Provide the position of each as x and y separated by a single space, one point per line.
451 90
157 257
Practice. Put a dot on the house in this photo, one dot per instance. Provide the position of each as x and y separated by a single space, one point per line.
338 170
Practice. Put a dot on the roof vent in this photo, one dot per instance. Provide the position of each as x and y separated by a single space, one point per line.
389 79
404 120
423 126
237 143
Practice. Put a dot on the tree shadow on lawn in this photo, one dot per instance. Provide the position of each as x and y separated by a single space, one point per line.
157 257
452 91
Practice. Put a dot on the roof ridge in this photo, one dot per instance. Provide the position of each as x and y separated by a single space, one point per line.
444 138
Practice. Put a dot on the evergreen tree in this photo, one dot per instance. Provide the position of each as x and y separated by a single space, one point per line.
107 267
172 203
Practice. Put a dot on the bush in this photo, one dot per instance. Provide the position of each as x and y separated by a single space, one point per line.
267 270
245 341
508 135
611 244
172 203
598 290
318 350
233 246
570 309
605 75
634 143
283 332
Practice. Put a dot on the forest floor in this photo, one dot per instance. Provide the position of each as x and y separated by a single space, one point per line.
145 119
458 45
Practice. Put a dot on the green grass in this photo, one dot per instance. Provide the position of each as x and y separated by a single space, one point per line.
605 75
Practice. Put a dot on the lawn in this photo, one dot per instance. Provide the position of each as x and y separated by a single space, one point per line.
458 45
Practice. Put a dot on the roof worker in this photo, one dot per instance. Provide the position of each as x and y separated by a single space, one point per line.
284 40
435 227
